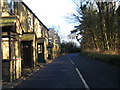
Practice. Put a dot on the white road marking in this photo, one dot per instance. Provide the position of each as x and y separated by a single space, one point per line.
80 75
72 62
83 80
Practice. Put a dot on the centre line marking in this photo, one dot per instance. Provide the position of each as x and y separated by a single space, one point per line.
72 62
83 80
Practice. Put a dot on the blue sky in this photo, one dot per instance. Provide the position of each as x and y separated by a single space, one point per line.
53 12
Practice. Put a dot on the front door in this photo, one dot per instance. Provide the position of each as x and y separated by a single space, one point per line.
27 54
41 53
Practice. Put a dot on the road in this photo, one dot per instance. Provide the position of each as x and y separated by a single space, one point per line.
74 71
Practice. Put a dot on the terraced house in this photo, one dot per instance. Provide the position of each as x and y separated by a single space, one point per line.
54 44
24 39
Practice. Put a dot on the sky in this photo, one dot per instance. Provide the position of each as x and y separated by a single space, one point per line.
53 13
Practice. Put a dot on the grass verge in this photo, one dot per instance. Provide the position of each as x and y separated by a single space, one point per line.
106 58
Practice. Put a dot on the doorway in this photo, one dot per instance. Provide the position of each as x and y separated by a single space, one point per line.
27 54
40 53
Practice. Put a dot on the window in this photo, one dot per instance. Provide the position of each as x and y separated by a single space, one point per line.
30 21
11 6
39 48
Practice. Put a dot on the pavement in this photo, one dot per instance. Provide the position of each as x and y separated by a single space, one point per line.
26 73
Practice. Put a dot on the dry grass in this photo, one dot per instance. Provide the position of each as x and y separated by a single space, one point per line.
104 57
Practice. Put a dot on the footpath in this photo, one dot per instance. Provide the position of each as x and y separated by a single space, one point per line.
26 73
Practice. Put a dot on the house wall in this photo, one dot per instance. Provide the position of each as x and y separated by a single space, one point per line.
34 51
30 21
37 27
45 35
0 52
22 14
11 65
26 23
55 40
37 31
41 33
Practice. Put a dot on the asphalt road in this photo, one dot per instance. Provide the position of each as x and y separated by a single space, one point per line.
74 71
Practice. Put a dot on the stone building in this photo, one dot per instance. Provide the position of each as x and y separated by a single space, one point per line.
24 39
54 44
